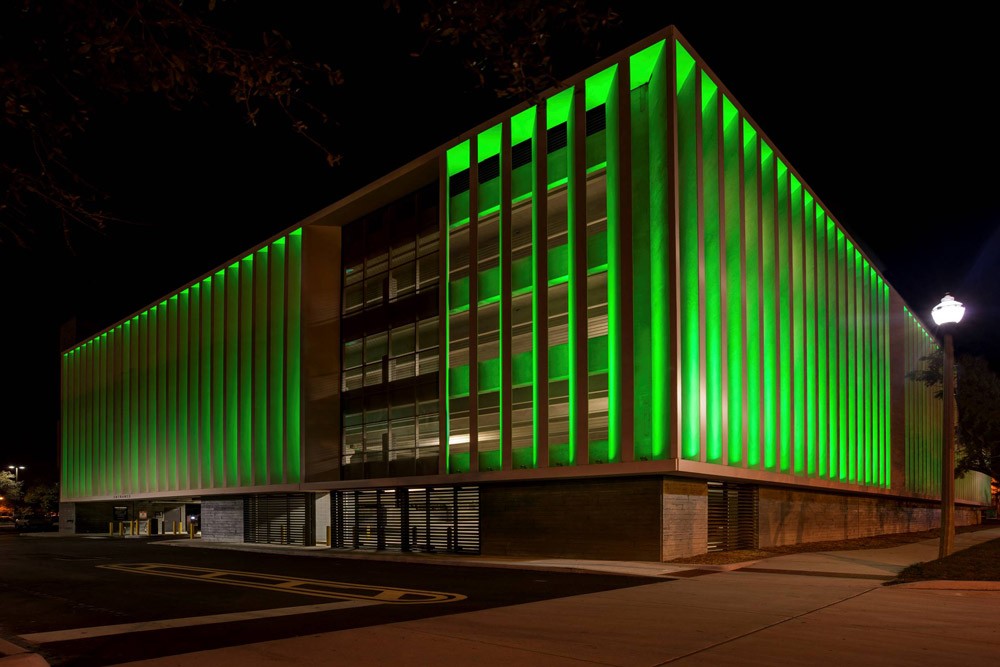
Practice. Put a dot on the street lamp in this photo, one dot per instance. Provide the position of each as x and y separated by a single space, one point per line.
16 470
946 315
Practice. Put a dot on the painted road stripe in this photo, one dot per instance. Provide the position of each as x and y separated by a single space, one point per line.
171 623
271 582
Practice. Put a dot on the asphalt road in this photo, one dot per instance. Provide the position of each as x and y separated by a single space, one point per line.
51 584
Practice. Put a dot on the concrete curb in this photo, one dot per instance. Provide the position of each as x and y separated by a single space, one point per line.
323 552
951 585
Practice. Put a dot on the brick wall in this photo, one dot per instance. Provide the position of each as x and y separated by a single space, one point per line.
222 519
792 517
614 518
684 517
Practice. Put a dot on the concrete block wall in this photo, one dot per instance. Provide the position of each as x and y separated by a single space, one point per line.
684 517
793 517
222 519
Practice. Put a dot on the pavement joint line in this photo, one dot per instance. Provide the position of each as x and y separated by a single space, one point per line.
764 627
815 573
54 636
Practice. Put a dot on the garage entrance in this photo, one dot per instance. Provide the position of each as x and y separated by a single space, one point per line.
280 518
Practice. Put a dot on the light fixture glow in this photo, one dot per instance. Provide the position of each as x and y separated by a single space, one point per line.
949 311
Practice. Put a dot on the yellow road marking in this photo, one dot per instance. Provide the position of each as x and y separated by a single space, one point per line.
278 583
188 622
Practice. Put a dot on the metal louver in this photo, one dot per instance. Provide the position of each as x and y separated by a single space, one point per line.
732 516
279 519
430 519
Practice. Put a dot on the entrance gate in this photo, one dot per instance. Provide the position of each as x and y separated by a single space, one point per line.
280 518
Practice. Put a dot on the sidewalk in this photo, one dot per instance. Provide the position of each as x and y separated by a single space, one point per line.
754 616
870 563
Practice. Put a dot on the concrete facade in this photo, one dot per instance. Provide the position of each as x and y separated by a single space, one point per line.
222 519
792 517
684 517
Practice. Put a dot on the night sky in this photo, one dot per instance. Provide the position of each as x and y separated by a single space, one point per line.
886 120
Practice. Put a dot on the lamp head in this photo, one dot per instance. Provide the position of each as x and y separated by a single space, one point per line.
949 311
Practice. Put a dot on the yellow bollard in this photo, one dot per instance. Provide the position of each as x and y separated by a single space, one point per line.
111 529
283 533
191 531
148 527
121 529
329 536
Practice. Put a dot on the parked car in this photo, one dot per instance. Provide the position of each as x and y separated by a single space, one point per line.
7 523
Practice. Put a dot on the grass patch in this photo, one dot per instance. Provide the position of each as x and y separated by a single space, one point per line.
875 542
977 563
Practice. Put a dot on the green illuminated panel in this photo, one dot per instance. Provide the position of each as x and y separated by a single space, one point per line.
768 288
101 467
143 466
218 385
293 439
259 453
751 241
643 63
115 372
576 228
642 286
245 391
733 281
205 421
815 455
162 443
713 270
798 333
231 370
604 88
687 197
832 350
661 338
866 375
276 257
887 374
183 355
827 464
171 385
784 322
843 377
852 362
194 389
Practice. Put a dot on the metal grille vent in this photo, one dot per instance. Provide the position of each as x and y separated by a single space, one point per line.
279 519
411 519
732 516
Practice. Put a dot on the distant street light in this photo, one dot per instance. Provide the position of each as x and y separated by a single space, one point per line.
946 315
16 470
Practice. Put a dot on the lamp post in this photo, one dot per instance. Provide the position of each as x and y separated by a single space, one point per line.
16 470
946 315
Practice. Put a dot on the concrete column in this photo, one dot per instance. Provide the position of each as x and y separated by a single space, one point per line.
67 517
